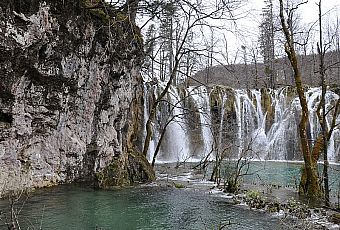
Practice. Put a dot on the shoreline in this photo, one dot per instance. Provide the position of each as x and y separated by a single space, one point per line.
279 202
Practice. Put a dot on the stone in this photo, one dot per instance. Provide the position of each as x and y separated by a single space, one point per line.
69 95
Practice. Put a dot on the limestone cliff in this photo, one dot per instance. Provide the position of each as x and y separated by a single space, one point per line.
70 94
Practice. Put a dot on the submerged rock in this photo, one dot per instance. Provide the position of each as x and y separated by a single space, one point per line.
70 93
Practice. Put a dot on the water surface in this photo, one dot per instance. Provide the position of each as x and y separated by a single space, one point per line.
152 207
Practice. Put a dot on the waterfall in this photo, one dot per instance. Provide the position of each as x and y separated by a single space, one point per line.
262 124
200 96
313 96
179 148
282 134
281 141
170 119
250 122
220 137
146 103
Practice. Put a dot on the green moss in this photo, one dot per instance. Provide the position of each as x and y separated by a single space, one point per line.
112 175
267 106
335 218
99 12
255 199
216 95
232 185
179 185
273 209
254 194
139 169
121 173
120 16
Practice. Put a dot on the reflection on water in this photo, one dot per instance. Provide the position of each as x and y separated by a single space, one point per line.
75 207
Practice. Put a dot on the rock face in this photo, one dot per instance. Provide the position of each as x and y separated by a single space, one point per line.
70 92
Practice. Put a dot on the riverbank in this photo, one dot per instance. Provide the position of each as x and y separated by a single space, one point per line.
180 198
279 201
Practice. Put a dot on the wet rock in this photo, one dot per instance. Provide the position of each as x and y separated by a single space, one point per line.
69 94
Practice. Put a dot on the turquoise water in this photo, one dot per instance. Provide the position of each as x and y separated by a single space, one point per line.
75 207
287 174
154 207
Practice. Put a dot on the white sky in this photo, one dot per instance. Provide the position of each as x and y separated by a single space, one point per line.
309 11
248 30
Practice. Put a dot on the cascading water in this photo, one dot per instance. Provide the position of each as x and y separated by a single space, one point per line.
281 142
220 136
170 119
200 95
250 121
313 97
282 132
152 147
262 123
179 148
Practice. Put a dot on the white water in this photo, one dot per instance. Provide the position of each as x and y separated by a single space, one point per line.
179 150
220 137
200 96
281 141
260 132
153 143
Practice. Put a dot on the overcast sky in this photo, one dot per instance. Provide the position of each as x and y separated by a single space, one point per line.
309 11
248 31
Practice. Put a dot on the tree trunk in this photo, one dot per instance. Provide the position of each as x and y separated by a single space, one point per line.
322 105
131 7
309 184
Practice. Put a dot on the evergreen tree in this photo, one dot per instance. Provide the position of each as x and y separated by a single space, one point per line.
167 26
267 44
150 45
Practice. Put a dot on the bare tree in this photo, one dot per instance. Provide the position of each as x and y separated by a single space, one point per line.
11 218
254 57
194 15
322 112
310 183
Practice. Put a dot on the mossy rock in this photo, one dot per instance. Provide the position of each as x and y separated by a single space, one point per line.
98 12
273 207
254 194
335 218
179 185
113 175
119 173
139 169
106 12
